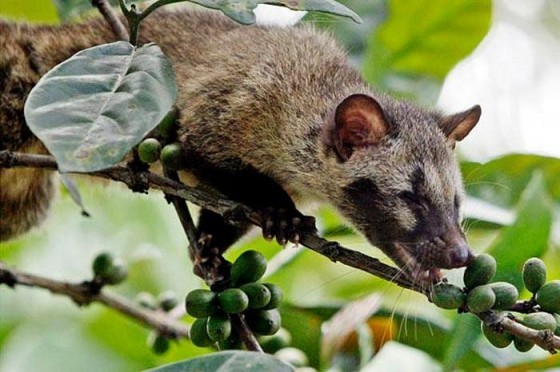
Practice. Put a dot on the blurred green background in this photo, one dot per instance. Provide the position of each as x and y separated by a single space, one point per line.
404 47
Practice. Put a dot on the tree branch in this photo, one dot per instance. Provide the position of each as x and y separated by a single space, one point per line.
83 294
508 323
236 212
111 17
238 321
232 211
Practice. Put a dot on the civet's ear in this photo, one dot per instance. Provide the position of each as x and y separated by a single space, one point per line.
359 122
457 126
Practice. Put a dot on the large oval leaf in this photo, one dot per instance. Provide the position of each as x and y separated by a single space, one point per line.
91 109
528 236
425 37
226 361
503 180
242 10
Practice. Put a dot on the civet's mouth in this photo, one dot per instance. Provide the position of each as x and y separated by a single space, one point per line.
422 261
413 267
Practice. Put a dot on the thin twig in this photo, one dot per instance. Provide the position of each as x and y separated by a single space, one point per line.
238 322
544 338
231 210
82 294
182 211
245 333
111 17
235 211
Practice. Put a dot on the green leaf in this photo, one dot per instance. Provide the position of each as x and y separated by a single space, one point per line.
69 9
228 361
430 336
242 10
91 109
39 11
295 319
501 181
74 192
461 340
426 37
527 236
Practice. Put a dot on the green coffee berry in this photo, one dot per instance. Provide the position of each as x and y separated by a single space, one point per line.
172 156
534 274
522 345
167 126
258 294
218 327
480 271
146 300
292 356
280 340
276 296
199 334
264 322
548 297
481 299
448 296
116 274
102 264
557 331
248 268
167 300
149 150
158 343
201 303
540 321
233 301
233 342
506 295
499 340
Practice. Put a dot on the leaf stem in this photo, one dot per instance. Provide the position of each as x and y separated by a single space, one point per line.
215 202
82 294
238 212
111 17
134 17
238 321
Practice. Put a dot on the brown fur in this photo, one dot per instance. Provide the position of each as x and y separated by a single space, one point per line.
26 53
265 98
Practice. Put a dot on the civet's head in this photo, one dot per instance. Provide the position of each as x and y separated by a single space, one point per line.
402 186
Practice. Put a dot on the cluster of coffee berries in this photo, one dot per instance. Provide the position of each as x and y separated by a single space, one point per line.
256 302
109 270
171 156
545 295
481 295
166 301
169 153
